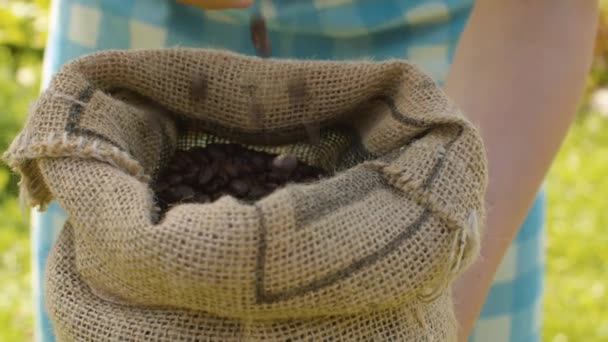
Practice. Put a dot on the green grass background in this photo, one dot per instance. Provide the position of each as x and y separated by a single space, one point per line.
576 295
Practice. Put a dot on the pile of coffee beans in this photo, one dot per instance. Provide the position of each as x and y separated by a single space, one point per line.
204 174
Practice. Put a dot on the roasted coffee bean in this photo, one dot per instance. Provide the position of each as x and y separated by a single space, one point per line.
239 187
231 149
284 163
205 175
277 176
213 187
258 162
184 192
182 159
222 178
271 186
174 167
199 154
257 191
191 175
161 186
166 197
230 168
243 165
177 194
175 179
216 151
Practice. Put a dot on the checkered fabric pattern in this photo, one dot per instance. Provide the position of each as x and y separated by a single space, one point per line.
422 31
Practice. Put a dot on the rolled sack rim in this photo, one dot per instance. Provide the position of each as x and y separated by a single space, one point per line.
23 152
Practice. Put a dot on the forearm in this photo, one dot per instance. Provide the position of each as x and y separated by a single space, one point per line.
518 74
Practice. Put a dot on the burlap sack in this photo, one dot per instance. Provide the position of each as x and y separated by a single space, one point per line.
367 254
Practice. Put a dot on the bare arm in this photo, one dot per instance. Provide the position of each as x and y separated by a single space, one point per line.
518 73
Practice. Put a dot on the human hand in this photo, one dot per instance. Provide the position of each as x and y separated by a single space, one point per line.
217 4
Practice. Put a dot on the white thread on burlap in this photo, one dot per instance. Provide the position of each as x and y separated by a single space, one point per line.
65 97
454 262
419 314
430 294
50 139
80 143
468 232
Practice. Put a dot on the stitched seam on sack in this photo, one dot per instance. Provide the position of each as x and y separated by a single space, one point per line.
75 116
266 297
332 204
397 115
85 149
317 284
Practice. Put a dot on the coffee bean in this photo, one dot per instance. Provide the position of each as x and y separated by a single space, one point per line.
184 192
212 187
243 165
175 179
277 176
284 163
168 197
177 194
205 175
182 159
257 191
161 186
191 176
231 149
230 168
199 154
216 151
222 178
271 186
240 187
258 162
174 167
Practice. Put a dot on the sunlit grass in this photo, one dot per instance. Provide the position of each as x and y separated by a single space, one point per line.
15 283
576 296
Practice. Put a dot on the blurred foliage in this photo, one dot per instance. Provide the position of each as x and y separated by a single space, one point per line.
23 27
576 298
576 283
23 23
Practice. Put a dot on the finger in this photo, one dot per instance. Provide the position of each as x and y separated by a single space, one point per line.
217 4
